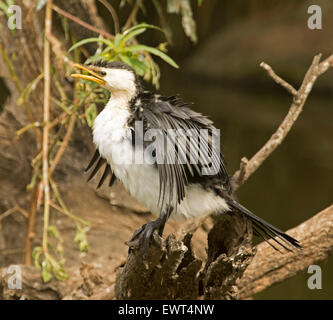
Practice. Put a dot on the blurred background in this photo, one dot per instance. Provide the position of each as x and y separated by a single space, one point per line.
220 74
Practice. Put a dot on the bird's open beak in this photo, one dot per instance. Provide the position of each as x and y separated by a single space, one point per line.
93 77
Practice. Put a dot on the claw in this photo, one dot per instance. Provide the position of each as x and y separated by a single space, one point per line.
137 232
145 233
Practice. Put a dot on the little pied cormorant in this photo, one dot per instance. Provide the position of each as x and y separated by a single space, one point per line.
177 189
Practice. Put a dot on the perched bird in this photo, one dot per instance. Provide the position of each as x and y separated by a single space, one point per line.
167 186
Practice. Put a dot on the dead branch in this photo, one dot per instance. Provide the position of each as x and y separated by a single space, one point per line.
269 267
170 270
317 68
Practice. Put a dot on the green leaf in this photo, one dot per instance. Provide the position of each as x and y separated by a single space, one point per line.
117 39
131 35
36 253
81 238
93 59
4 7
121 39
53 231
139 66
46 270
46 275
140 26
88 40
153 51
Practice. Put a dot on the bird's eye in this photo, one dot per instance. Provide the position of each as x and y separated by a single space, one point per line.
103 73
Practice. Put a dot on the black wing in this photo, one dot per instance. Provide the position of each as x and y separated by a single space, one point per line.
98 161
167 113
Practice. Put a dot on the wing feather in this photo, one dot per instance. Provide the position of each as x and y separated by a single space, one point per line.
166 113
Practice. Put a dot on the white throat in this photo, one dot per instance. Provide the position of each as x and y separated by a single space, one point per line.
120 98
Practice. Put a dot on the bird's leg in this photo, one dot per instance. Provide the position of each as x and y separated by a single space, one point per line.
145 233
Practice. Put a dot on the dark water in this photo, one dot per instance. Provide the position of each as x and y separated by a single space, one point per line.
296 181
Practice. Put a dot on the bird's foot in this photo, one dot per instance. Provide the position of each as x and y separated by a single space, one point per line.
145 233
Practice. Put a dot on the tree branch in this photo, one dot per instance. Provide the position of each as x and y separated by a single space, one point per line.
269 267
248 167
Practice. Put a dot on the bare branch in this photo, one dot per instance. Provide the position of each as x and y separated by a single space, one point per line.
268 267
299 98
278 80
12 210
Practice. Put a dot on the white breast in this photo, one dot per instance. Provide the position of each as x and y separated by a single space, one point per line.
111 136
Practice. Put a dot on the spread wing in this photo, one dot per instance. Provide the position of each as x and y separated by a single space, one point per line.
191 139
98 161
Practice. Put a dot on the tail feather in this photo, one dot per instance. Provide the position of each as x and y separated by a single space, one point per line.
260 235
265 230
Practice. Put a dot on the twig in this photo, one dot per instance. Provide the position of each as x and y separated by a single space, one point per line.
277 79
46 118
113 14
82 23
68 214
30 234
63 208
28 127
64 144
299 97
268 268
12 210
